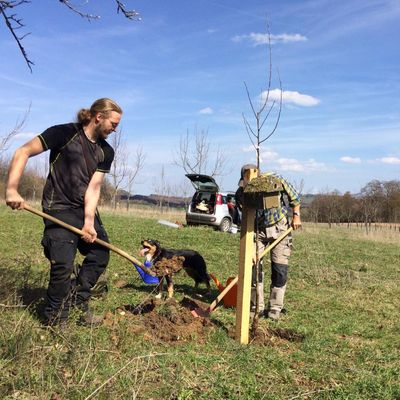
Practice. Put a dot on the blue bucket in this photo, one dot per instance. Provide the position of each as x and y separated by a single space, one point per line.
148 279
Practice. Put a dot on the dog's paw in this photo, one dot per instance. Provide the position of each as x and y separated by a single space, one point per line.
158 296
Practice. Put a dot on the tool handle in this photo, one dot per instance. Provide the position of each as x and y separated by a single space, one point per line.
80 233
275 242
222 294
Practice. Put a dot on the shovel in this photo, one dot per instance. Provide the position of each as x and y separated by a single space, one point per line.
230 297
275 242
199 312
150 278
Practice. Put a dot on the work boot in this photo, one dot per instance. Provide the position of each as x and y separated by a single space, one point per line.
58 324
88 317
275 303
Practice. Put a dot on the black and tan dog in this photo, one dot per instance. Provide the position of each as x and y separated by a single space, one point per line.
166 262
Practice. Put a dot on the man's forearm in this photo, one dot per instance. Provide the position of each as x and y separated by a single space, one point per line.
17 167
92 197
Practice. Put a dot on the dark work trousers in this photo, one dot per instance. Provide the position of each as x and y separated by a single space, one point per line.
60 247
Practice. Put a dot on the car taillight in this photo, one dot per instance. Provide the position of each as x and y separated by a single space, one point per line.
219 200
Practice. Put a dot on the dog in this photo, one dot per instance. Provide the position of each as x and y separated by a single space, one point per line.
169 261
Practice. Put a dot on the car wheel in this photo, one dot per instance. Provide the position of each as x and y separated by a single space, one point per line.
225 225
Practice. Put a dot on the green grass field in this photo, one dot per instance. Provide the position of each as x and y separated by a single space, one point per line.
343 299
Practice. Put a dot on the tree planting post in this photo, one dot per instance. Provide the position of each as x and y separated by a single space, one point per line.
245 269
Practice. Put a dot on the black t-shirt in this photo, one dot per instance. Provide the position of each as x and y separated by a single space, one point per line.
73 161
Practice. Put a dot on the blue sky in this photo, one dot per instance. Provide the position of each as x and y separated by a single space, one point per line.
183 67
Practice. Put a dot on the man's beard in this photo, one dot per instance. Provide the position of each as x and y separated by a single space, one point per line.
100 132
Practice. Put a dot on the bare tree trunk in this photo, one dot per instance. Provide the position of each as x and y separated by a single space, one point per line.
119 166
133 172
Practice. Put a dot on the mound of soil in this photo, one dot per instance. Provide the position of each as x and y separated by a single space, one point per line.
167 321
170 321
266 336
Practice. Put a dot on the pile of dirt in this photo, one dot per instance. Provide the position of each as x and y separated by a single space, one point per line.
267 336
170 321
167 321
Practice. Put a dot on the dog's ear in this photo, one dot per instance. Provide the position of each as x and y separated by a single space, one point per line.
153 242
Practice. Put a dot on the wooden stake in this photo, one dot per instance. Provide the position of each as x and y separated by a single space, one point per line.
245 270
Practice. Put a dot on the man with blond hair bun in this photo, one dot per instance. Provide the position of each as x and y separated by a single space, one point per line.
79 159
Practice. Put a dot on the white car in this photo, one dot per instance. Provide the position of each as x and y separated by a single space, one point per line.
209 206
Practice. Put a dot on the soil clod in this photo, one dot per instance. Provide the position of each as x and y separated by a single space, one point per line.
167 321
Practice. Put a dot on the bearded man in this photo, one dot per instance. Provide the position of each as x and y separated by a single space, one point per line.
79 159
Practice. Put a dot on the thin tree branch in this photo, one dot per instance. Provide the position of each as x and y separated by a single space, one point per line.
269 69
17 128
89 17
130 14
249 98
14 23
9 20
267 115
249 130
279 113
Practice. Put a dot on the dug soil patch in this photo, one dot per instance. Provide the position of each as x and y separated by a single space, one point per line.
167 321
266 336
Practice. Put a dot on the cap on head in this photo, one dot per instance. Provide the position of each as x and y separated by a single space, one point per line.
245 168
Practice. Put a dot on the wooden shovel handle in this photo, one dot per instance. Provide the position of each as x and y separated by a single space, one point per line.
80 233
222 294
275 242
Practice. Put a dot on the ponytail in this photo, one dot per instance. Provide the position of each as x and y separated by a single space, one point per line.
103 106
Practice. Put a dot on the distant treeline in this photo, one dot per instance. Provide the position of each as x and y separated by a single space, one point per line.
378 201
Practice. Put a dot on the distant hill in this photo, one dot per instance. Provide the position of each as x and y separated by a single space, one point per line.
182 202
154 199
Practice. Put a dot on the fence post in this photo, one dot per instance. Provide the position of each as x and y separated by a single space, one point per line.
245 270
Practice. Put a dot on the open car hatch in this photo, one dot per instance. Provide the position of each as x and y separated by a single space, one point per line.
203 182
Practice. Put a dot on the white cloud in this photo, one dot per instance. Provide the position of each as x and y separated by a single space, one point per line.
350 160
262 38
390 160
25 135
206 110
270 159
248 149
269 155
290 97
291 164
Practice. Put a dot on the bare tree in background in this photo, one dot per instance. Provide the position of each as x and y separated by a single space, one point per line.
15 23
262 111
119 168
185 190
6 139
162 189
133 171
372 199
196 157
